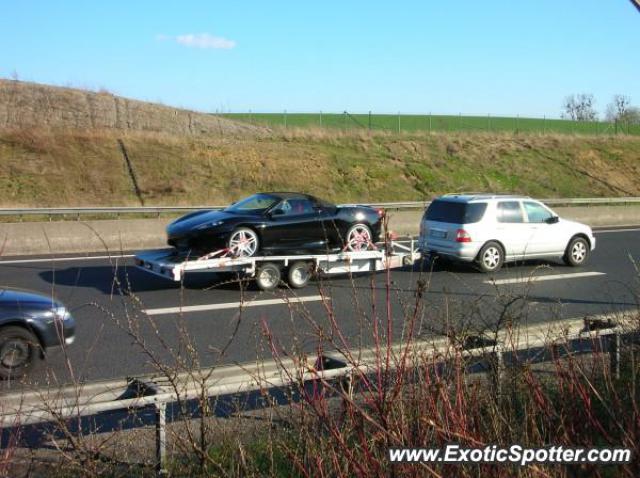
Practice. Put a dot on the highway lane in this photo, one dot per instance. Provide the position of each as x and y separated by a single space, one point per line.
116 338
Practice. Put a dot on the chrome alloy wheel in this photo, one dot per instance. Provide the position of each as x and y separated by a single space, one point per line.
244 242
578 251
358 238
491 257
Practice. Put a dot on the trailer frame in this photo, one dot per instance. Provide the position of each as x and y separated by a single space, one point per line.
166 263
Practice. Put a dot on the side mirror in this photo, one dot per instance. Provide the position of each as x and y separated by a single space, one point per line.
552 220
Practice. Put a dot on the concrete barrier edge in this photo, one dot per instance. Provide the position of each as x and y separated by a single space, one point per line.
113 236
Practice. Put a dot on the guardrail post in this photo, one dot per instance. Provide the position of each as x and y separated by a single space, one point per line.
347 384
615 342
498 370
161 438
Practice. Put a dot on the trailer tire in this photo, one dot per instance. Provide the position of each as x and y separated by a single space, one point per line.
268 276
299 274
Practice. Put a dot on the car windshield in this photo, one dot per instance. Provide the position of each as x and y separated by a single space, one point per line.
455 212
253 204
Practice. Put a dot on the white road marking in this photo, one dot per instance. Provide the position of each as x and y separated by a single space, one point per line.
523 280
606 231
63 259
23 401
231 305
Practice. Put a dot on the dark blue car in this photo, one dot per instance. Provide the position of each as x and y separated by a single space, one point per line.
30 323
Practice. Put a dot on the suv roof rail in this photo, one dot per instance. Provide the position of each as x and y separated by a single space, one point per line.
466 193
484 195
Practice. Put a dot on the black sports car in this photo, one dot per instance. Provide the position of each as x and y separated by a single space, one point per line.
270 223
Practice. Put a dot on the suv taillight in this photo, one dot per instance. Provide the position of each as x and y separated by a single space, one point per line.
462 236
381 212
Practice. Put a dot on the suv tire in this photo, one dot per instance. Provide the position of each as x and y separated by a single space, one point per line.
577 252
491 257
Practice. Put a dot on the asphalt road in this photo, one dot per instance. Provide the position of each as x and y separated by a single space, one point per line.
130 322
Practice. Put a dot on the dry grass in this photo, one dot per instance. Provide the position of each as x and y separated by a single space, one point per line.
29 105
70 167
58 147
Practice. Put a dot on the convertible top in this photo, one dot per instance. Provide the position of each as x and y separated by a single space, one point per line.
287 195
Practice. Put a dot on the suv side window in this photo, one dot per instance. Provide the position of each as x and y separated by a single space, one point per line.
510 211
536 212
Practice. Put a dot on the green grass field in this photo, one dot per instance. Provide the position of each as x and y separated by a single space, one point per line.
414 123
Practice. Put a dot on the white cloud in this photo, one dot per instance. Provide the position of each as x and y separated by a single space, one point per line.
200 40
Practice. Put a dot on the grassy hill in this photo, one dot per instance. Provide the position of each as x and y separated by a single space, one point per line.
434 123
54 168
51 161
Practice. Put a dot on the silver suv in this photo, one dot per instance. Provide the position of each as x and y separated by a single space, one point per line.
491 230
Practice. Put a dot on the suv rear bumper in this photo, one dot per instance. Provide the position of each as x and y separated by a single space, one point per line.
462 251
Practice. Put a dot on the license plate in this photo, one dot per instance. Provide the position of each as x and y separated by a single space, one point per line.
437 233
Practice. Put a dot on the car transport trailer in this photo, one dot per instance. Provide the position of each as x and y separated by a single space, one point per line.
268 271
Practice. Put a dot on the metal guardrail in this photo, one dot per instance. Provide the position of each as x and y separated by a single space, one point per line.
157 210
604 332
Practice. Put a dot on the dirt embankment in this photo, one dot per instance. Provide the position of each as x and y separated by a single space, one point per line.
43 168
60 147
29 104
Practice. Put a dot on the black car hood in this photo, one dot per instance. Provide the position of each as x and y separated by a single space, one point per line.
187 223
25 299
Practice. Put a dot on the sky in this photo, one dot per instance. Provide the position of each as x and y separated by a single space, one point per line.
499 57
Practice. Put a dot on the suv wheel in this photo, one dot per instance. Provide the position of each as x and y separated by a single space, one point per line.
577 252
491 257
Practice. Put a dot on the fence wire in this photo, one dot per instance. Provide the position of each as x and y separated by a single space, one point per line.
435 123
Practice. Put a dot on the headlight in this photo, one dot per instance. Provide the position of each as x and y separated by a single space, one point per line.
57 313
61 313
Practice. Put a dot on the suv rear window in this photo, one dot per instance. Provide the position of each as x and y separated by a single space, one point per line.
455 212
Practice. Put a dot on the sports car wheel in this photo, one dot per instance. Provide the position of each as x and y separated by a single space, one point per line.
358 237
268 276
244 242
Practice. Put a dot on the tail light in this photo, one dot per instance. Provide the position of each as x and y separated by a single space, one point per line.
462 236
381 212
